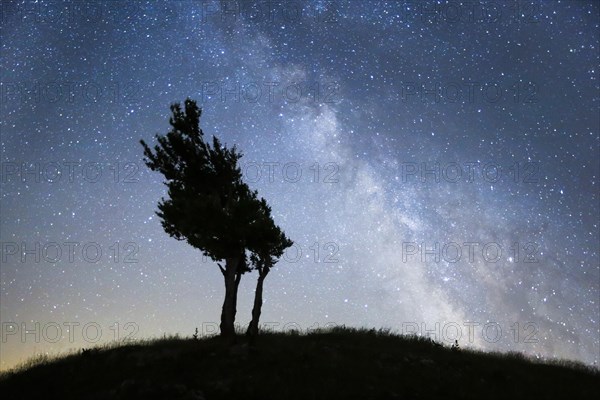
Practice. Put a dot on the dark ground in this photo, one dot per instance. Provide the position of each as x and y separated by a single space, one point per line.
337 364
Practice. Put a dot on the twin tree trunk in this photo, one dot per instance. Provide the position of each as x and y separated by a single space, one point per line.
232 276
253 326
232 280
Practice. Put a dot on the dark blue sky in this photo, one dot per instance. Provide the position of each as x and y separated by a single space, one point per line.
434 162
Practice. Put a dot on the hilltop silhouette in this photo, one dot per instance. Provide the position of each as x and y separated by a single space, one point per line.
339 363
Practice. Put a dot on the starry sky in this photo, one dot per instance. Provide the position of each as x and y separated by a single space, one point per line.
435 163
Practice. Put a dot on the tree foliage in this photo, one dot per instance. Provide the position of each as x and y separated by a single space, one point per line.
209 206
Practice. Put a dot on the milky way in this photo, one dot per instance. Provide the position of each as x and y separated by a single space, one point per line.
436 164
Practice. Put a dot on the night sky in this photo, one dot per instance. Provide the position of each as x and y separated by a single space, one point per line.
435 163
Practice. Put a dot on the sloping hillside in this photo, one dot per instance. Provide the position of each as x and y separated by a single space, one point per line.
337 364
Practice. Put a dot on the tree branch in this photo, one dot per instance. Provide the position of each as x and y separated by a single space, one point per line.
221 268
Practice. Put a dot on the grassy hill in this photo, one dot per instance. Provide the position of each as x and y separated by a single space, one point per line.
336 364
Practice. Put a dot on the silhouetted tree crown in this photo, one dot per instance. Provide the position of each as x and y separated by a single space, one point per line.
269 241
209 205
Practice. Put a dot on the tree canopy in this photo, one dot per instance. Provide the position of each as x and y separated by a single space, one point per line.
210 206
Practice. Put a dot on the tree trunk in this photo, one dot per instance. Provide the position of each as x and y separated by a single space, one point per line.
256 309
238 278
229 304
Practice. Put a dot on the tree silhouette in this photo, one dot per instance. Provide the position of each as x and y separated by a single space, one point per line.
209 205
267 245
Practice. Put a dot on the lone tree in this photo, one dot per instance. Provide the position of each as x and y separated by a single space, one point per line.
209 205
267 245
